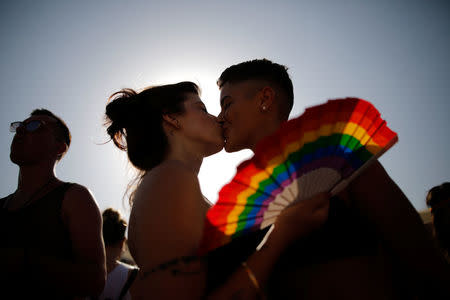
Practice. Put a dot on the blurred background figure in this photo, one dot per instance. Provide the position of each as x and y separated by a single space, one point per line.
438 199
120 274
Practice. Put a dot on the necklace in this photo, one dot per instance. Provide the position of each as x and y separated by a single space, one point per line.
31 198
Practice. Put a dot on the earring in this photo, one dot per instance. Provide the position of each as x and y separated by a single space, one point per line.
264 108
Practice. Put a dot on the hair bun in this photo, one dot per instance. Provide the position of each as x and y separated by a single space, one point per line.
119 113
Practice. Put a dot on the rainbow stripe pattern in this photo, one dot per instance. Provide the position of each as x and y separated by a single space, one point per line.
321 150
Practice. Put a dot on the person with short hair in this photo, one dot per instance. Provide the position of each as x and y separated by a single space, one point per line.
373 245
51 245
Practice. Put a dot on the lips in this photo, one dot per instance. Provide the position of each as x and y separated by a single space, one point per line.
224 133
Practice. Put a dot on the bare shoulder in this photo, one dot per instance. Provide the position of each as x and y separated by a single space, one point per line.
169 178
78 198
373 175
376 193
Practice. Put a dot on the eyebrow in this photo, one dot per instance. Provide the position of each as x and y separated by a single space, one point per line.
223 99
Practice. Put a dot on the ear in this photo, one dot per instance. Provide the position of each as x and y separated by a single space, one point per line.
62 148
266 98
171 120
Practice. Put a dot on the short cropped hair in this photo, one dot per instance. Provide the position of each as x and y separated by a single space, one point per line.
262 69
62 131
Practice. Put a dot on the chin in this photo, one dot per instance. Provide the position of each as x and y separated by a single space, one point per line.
18 160
229 147
15 159
215 148
213 151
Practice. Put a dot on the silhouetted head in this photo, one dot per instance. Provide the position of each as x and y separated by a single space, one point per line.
255 96
438 199
42 136
141 123
114 227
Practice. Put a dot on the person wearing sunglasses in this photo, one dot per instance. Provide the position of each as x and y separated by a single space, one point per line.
51 241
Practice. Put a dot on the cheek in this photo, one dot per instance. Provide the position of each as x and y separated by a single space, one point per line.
200 125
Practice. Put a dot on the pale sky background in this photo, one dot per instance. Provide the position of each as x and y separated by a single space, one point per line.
69 56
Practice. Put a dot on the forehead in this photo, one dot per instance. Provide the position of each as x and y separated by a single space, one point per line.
41 118
235 89
192 99
47 119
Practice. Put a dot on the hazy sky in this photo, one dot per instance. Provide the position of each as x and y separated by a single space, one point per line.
69 56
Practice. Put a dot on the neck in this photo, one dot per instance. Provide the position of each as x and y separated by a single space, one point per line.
192 160
112 256
267 128
32 177
185 151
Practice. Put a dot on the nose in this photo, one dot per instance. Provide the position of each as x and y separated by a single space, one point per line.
220 117
20 130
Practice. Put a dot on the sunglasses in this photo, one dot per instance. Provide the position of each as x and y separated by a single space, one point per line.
29 126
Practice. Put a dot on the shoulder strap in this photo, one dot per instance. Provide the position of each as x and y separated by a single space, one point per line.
62 189
127 285
4 201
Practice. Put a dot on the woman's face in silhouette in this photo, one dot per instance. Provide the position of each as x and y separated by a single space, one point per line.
200 127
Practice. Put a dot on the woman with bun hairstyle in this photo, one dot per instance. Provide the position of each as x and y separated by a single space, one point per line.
166 132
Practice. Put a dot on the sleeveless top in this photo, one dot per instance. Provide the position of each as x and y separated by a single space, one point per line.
38 225
115 282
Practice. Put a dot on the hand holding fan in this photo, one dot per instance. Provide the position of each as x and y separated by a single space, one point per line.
321 150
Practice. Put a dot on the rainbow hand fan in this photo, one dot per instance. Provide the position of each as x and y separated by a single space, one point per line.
321 150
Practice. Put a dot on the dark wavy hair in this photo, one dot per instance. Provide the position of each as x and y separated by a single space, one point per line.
262 69
114 227
134 122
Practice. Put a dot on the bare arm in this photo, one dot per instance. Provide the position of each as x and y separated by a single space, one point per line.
378 198
86 274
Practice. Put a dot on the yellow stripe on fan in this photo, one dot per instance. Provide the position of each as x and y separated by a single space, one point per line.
241 200
351 129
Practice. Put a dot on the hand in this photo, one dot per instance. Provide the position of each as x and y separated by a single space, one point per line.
303 217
